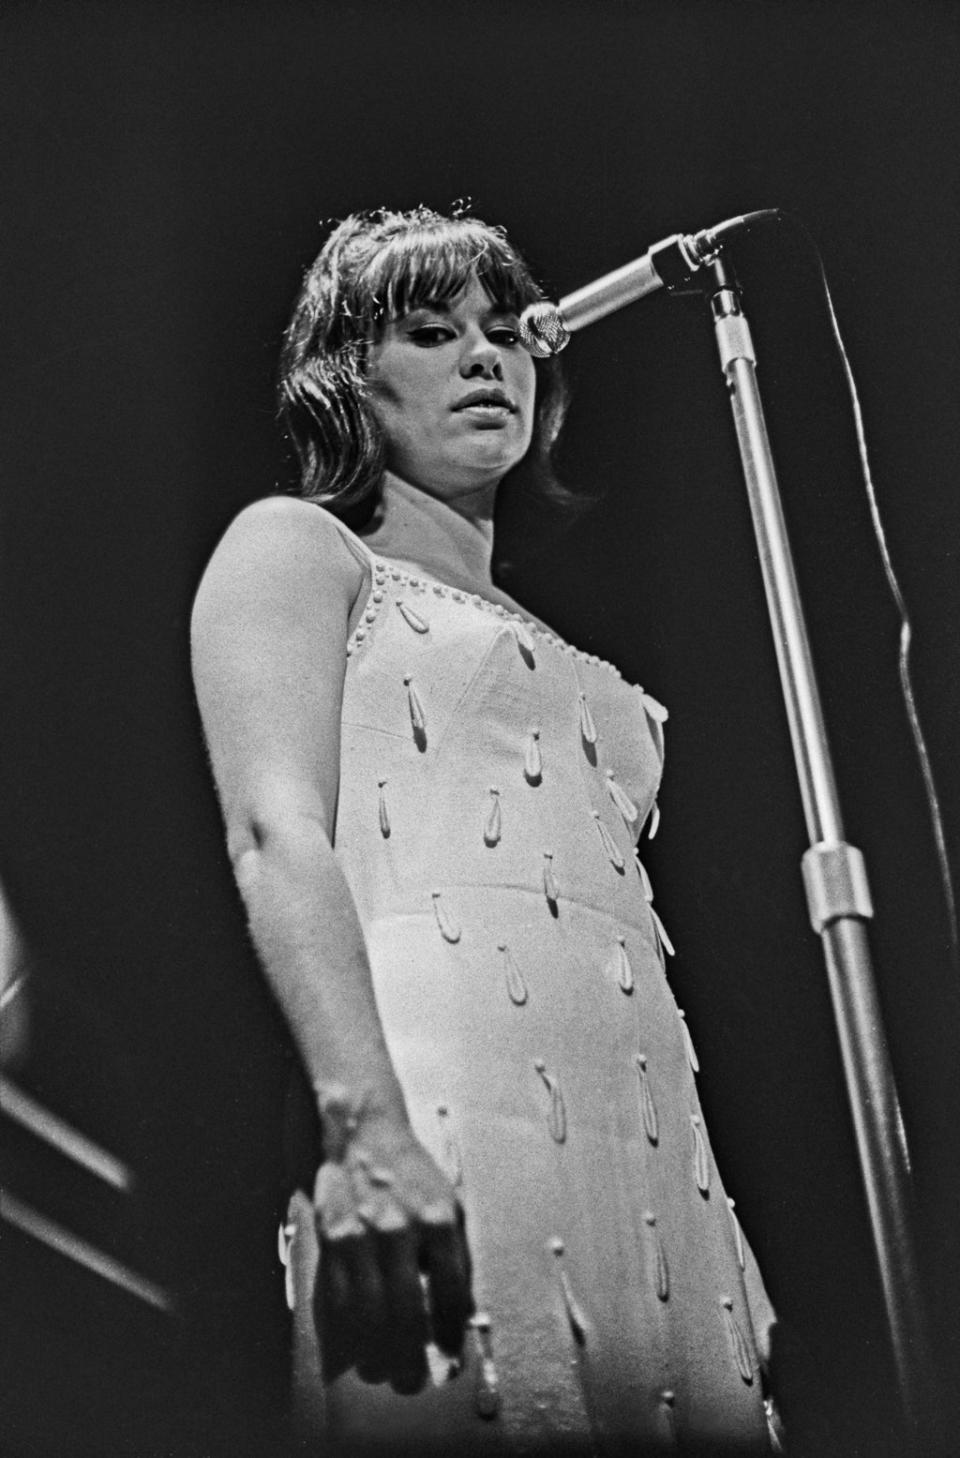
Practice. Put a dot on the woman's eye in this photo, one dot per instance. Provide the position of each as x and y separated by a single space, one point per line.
428 334
505 335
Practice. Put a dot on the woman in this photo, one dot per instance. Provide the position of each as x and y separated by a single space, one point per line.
432 807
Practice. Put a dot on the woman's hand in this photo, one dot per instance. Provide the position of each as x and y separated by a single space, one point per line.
394 1270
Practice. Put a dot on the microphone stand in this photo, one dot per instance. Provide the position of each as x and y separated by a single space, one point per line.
834 875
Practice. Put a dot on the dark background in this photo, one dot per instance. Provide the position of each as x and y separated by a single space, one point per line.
165 172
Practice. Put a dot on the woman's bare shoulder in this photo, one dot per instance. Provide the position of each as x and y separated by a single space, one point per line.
290 527
283 543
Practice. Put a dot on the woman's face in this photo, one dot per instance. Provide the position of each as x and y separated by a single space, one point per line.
453 389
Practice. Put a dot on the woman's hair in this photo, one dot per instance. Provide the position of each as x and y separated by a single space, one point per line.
376 267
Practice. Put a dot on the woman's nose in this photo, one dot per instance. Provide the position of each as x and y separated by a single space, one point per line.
481 359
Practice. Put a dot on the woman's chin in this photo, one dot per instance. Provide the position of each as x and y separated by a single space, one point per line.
490 453
459 474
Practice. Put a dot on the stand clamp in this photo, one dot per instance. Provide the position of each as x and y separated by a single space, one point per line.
835 877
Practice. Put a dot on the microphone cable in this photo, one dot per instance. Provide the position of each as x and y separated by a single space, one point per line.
906 629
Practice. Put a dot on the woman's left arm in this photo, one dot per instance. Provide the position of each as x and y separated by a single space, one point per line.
269 653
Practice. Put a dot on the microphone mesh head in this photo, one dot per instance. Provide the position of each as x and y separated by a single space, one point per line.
542 329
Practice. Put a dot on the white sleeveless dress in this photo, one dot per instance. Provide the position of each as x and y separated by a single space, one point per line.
494 786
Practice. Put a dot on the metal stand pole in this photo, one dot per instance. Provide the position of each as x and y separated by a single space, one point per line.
834 874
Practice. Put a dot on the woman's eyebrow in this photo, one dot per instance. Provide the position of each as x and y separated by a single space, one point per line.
442 306
429 306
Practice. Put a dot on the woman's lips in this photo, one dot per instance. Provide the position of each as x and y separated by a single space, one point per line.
486 414
489 400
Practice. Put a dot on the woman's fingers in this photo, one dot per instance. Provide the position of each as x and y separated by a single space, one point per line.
372 1309
409 1330
348 1297
394 1268
445 1260
367 1288
332 1314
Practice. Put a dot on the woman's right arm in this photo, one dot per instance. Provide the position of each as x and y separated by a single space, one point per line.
269 637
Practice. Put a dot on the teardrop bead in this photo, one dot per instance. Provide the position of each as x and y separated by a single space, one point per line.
654 708
648 1108
701 1162
557 1122
382 811
588 729
487 1391
738 1342
645 881
665 941
659 1257
609 844
578 1322
516 987
492 824
450 1156
575 1316
620 966
550 888
416 622
692 1058
737 1235
418 718
487 1396
621 799
557 1117
533 759
446 921
775 1431
668 1400
288 1234
654 820
524 638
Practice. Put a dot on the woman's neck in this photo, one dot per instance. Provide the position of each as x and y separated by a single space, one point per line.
442 538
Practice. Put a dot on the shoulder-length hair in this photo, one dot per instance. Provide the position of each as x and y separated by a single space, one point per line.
376 267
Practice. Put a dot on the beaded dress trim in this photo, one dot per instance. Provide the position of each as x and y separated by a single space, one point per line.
529 633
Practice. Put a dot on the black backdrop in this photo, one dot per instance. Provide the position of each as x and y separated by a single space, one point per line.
165 169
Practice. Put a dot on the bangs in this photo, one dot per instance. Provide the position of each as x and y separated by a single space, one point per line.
432 265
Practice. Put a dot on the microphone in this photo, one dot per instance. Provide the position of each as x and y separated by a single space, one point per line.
545 328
